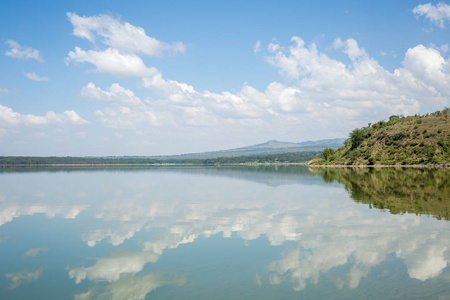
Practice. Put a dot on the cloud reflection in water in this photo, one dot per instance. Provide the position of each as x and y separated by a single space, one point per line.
319 226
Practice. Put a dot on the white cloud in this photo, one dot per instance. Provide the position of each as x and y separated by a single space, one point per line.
19 278
10 118
35 251
363 85
124 42
128 117
112 62
35 77
436 13
322 91
273 47
115 94
351 48
257 47
24 53
119 35
4 90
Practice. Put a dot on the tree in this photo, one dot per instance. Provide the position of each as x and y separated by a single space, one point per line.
357 136
327 153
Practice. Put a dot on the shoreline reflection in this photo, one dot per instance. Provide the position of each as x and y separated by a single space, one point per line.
128 222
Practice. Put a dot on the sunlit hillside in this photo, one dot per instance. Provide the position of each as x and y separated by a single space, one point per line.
400 141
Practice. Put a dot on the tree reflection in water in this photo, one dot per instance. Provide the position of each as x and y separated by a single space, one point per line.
405 190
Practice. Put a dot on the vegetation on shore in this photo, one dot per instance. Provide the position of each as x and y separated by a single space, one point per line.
281 158
402 140
405 190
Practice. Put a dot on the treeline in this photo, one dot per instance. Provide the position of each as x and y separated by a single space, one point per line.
295 157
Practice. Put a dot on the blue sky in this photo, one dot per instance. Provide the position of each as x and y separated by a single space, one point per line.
165 77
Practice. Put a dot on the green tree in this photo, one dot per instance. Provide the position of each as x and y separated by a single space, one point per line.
327 153
357 136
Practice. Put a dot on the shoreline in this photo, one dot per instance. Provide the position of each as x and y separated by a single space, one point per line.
421 166
154 165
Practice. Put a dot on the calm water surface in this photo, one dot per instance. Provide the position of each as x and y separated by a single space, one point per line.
224 233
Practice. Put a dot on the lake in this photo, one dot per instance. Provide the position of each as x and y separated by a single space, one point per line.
224 233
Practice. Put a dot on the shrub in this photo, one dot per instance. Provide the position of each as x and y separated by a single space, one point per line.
443 143
394 118
357 136
398 136
327 153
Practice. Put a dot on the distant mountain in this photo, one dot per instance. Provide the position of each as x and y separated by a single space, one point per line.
270 147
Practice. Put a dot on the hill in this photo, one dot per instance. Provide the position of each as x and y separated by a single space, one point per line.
402 140
272 152
267 148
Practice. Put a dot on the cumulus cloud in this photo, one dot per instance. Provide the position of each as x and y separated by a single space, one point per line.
438 14
124 43
115 94
33 76
320 90
428 67
10 118
128 117
323 87
351 48
120 35
111 61
4 90
25 53
24 277
364 85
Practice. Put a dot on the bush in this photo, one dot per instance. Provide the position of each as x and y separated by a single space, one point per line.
327 153
393 118
357 136
443 143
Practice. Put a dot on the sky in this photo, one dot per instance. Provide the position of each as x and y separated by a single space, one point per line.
101 78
